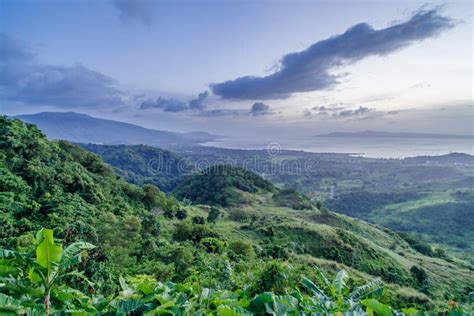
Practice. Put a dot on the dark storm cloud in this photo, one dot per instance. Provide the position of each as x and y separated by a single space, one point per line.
309 70
260 108
23 79
138 10
165 104
198 104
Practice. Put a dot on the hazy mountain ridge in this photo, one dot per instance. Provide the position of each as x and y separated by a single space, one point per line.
452 158
374 134
82 128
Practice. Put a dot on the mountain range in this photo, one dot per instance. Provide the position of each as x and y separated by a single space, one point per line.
82 128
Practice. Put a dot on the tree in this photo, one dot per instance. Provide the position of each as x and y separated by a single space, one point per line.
213 215
181 214
420 276
198 220
153 197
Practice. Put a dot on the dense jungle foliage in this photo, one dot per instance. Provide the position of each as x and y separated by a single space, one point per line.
125 249
140 164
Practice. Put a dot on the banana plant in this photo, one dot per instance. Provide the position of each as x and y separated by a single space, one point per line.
50 265
335 296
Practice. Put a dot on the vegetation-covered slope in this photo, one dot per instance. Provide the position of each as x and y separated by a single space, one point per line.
222 185
396 193
61 186
241 250
140 164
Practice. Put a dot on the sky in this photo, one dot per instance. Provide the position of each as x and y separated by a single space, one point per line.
243 68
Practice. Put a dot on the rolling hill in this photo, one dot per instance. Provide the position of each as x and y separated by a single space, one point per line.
256 212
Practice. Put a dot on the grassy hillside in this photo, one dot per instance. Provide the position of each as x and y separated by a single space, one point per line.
255 244
398 194
265 213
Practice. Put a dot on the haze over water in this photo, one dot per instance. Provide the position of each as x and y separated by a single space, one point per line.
366 147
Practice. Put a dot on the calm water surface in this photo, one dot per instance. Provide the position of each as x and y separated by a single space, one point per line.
366 147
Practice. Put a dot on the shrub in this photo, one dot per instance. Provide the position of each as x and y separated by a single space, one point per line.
212 245
198 220
274 278
186 230
181 214
183 231
419 275
241 249
239 215
214 215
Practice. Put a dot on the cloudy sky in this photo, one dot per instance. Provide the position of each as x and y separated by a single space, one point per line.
243 67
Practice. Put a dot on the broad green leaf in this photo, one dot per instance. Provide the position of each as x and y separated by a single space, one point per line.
224 310
259 303
100 303
340 281
126 290
10 254
206 293
65 293
48 253
8 270
284 304
322 277
163 309
126 306
37 310
314 289
372 288
10 304
33 275
410 311
379 308
370 311
75 249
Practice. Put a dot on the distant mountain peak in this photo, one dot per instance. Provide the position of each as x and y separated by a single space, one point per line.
83 128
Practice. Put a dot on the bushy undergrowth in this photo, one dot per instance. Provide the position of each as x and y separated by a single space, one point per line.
47 282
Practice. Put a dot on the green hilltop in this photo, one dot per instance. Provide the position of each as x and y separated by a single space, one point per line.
222 185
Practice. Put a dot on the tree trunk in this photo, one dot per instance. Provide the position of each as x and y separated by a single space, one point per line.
46 302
